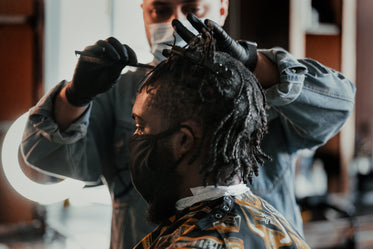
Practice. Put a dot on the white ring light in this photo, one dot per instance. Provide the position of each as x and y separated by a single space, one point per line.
41 193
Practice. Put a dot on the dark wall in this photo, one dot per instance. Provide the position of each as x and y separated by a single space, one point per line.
265 22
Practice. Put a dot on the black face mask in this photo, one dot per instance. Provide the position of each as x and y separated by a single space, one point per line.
153 165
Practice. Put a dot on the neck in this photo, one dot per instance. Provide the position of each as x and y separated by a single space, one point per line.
192 178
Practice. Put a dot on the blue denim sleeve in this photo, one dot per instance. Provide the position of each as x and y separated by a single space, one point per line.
311 100
46 148
94 147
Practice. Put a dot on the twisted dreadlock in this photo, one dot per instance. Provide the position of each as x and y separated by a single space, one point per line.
220 94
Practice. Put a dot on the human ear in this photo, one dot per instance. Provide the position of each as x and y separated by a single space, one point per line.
184 141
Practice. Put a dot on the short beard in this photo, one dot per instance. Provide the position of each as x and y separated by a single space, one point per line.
166 185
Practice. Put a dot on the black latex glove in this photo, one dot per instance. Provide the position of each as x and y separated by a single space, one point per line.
98 69
244 51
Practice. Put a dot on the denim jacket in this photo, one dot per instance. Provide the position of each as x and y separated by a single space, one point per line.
306 108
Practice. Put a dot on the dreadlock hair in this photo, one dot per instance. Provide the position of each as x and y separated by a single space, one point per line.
220 94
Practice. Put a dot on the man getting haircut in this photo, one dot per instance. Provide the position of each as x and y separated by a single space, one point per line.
200 118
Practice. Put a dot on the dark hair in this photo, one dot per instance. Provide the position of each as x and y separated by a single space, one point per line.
223 96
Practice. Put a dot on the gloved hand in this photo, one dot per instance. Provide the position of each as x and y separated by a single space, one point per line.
244 51
98 69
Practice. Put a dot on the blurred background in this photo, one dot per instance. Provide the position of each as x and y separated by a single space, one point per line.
37 42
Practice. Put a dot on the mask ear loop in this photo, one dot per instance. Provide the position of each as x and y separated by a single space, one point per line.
154 137
198 152
167 133
170 131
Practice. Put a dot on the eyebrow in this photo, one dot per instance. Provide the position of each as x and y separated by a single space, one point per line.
190 1
158 3
167 3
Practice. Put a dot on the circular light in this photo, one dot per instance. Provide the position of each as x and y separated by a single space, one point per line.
41 193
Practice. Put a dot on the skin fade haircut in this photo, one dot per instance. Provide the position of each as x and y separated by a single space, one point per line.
221 95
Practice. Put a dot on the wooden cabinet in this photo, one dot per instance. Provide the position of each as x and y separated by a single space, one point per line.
333 43
21 38
21 41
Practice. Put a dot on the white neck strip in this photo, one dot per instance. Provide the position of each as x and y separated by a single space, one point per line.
210 193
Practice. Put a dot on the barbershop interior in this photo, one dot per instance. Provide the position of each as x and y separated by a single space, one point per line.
38 39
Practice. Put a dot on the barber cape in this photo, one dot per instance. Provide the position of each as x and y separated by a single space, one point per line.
241 220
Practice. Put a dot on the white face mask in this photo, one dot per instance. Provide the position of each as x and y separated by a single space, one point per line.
162 35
